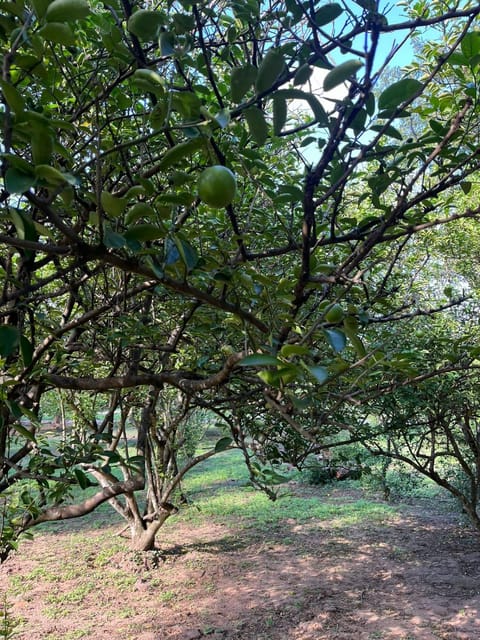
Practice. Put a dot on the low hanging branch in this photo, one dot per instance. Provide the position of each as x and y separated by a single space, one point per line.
67 512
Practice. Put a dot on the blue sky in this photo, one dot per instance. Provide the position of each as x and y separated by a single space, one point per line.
395 14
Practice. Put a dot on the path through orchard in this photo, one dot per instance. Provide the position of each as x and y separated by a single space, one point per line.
411 575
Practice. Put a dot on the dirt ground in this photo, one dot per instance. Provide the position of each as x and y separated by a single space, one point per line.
415 576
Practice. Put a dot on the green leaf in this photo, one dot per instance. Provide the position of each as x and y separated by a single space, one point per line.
158 114
336 339
26 350
9 339
269 377
398 93
370 104
223 444
42 145
257 125
470 44
182 198
23 224
137 211
269 70
82 478
181 151
319 373
149 80
189 105
53 176
302 74
12 97
17 162
183 22
260 360
144 232
438 127
313 102
294 350
40 7
288 373
145 24
17 181
112 205
341 73
271 477
23 431
279 114
327 14
457 59
241 80
137 463
350 327
388 131
188 253
155 267
289 193
112 239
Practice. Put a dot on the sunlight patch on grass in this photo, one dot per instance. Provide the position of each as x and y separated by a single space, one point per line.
252 508
225 467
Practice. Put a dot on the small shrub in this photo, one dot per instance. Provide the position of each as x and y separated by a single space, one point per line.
392 478
342 463
316 472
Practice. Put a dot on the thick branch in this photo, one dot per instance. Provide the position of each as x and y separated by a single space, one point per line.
181 380
87 506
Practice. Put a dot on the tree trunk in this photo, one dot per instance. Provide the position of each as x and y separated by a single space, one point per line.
143 534
470 509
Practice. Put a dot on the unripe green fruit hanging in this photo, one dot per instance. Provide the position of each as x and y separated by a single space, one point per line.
217 186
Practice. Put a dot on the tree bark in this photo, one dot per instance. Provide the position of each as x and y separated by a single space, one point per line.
143 533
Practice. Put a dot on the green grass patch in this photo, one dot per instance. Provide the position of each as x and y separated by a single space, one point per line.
224 468
253 508
219 491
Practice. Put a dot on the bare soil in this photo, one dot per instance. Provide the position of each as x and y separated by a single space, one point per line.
415 576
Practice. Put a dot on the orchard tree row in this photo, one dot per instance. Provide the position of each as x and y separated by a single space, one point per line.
242 210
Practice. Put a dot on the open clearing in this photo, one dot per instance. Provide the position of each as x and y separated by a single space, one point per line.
323 563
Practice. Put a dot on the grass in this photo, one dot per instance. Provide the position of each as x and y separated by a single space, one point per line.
167 596
255 509
222 469
219 491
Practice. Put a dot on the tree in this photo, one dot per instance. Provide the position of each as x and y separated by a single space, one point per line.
433 426
121 287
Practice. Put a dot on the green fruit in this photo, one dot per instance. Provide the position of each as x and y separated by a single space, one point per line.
217 186
145 24
67 10
335 314
58 32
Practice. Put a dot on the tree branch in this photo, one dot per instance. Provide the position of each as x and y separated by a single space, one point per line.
87 506
180 379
